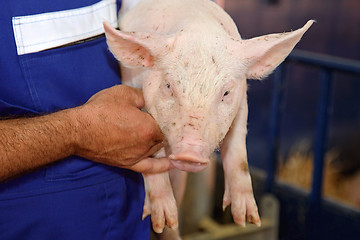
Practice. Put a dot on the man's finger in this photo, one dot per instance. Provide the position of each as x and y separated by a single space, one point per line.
152 165
135 95
156 133
154 149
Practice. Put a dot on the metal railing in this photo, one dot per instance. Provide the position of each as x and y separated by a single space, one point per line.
327 65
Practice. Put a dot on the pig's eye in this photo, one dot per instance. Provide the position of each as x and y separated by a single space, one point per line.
226 93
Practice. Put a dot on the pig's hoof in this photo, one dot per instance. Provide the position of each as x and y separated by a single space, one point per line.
245 209
164 215
163 211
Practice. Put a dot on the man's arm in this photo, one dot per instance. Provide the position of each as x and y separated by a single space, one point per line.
110 128
28 143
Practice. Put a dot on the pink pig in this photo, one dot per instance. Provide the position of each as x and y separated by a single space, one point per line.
192 65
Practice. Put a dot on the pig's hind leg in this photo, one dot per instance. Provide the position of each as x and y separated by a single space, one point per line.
160 201
238 187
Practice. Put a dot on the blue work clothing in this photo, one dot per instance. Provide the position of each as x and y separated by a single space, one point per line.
74 198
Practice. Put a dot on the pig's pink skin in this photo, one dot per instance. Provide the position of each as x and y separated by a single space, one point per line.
192 64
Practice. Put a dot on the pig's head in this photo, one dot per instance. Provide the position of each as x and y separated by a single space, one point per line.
194 82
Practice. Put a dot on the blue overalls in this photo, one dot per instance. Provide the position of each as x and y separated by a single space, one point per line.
74 198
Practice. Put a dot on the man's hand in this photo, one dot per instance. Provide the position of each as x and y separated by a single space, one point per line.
113 130
110 128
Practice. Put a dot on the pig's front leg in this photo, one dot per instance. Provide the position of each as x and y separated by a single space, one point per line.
238 188
159 200
178 183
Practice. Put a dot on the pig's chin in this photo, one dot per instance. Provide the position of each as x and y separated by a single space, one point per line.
189 166
189 161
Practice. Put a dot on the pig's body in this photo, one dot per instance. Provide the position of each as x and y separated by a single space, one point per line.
192 64
198 82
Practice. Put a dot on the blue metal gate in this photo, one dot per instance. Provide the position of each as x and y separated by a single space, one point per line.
309 216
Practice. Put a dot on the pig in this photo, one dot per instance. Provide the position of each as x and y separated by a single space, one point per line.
192 65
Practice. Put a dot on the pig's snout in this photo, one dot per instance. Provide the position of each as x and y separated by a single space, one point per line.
190 158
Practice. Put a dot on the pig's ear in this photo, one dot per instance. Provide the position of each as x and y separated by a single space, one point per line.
263 54
134 49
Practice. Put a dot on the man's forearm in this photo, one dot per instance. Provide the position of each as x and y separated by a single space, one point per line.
29 143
